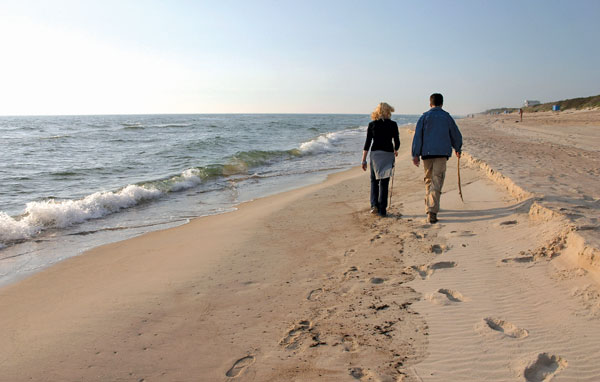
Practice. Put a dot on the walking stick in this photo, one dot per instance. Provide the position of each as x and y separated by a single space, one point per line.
459 188
392 188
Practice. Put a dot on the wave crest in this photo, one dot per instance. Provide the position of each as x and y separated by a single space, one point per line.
60 214
48 214
328 142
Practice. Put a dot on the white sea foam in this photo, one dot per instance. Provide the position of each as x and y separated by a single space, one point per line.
42 215
56 137
328 142
171 125
60 214
12 229
188 179
132 124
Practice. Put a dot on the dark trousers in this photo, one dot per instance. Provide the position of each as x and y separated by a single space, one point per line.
379 192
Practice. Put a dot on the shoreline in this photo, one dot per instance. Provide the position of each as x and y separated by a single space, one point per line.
306 285
303 181
46 250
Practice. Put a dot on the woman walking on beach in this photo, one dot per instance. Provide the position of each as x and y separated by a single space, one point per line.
384 141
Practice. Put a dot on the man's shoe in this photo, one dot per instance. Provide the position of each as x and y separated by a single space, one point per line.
432 217
382 213
374 210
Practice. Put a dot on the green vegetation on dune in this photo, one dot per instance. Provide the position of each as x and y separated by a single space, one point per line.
500 110
573 103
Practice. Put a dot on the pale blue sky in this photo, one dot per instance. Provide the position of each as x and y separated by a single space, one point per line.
102 57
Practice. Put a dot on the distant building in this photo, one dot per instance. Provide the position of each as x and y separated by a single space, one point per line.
530 102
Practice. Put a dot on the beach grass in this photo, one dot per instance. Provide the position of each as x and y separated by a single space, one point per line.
579 103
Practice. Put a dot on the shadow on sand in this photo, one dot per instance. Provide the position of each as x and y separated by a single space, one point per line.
467 216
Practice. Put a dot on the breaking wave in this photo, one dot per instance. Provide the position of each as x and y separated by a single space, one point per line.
40 216
55 214
328 142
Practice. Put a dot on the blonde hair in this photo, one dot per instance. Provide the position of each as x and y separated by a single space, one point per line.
382 111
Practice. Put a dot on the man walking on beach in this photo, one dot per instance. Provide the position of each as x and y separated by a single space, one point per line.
435 136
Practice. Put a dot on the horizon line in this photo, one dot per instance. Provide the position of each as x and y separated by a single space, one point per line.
128 114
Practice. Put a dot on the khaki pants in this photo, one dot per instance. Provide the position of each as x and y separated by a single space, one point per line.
435 172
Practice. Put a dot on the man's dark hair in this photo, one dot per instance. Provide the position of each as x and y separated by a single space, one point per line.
436 99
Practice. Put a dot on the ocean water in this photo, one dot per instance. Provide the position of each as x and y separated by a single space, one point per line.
70 183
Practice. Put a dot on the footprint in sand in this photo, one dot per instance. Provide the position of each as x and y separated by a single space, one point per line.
508 222
422 270
505 327
519 260
452 295
567 274
350 343
351 272
445 297
443 265
417 235
364 375
314 294
437 249
544 368
462 233
356 372
292 338
239 366
427 270
589 297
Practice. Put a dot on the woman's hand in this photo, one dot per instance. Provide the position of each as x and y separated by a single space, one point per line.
395 153
364 166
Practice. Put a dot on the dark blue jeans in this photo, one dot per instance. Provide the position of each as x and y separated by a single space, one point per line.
379 192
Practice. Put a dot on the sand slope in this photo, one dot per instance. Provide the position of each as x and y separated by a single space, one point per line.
553 156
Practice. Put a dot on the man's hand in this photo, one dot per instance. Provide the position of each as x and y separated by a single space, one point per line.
395 153
364 166
416 161
457 154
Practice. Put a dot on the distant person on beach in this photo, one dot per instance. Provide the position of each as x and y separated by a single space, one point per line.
383 140
521 114
435 136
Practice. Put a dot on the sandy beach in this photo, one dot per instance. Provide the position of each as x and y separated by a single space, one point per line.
306 285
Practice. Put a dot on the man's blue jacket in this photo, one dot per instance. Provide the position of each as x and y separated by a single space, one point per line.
436 134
